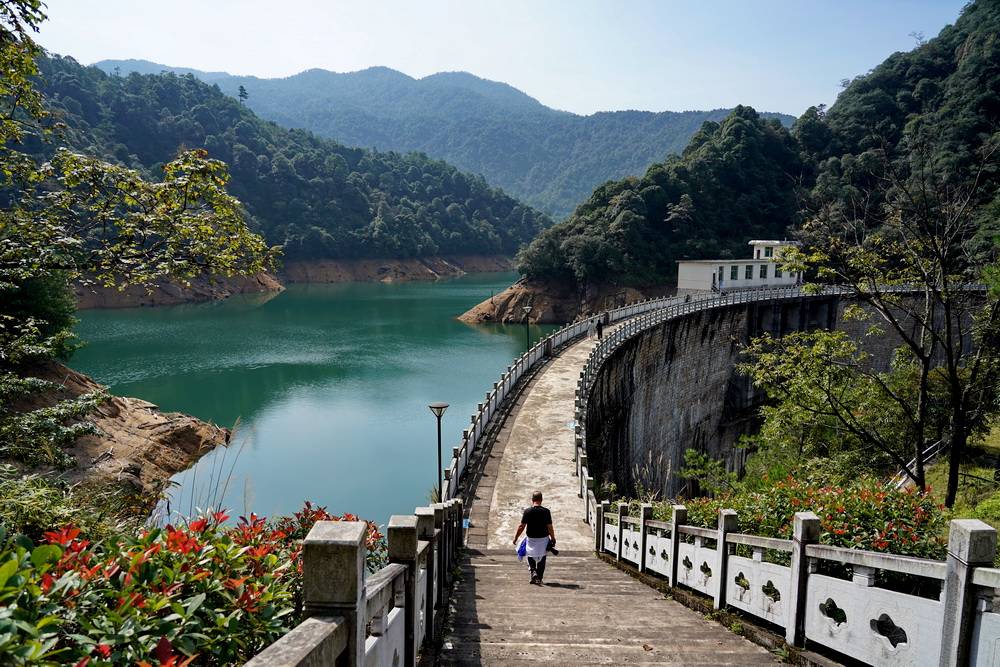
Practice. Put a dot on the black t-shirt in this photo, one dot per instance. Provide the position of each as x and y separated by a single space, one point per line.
537 519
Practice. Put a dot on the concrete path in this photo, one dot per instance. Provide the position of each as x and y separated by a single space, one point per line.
539 455
588 612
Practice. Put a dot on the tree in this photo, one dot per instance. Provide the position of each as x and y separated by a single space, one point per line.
243 94
900 235
76 217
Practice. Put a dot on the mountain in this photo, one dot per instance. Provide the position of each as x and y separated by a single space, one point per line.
748 177
551 159
318 198
736 180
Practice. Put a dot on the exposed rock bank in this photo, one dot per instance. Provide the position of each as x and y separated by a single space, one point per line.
208 288
392 270
553 303
314 271
138 447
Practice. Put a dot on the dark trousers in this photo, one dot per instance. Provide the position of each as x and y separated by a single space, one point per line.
537 566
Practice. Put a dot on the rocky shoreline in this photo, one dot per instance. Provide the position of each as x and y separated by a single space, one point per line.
170 293
138 447
317 271
554 303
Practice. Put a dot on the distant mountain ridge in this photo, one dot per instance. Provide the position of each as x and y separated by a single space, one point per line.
317 198
551 159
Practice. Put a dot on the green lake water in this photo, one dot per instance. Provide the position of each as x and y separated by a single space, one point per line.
330 385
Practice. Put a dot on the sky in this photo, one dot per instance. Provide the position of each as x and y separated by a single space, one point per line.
577 55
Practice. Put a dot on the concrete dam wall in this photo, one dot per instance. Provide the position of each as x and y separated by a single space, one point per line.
675 386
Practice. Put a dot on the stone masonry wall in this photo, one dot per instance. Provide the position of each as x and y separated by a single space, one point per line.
675 387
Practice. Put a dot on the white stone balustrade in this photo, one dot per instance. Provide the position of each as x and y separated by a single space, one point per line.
808 594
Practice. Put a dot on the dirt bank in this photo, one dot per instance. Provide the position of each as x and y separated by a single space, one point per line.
553 303
170 293
138 447
391 270
314 271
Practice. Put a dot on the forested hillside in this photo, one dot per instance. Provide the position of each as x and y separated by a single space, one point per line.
551 159
749 177
317 198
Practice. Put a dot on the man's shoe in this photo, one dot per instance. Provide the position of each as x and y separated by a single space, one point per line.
534 579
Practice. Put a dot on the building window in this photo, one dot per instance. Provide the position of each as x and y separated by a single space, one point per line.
792 275
720 274
758 253
734 272
768 252
777 272
749 272
763 271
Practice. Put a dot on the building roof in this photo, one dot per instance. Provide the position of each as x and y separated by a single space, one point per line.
774 242
762 260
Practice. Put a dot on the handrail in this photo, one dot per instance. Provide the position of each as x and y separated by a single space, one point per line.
380 592
773 543
921 567
698 531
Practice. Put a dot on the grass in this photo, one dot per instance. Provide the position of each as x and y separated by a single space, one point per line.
978 494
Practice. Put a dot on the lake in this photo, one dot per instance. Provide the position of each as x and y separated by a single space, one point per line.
330 385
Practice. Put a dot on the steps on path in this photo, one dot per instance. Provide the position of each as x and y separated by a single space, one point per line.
587 613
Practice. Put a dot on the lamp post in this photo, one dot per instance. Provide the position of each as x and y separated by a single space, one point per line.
438 410
527 335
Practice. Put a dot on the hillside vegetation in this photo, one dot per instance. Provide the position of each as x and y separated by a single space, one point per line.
317 198
748 177
550 159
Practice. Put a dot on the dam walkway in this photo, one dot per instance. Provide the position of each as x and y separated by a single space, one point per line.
587 611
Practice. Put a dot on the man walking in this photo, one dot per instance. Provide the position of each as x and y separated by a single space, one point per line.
537 522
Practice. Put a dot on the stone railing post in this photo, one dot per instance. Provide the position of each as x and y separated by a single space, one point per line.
583 478
805 531
645 514
425 533
727 524
622 512
333 579
459 524
602 507
442 554
971 544
679 516
402 536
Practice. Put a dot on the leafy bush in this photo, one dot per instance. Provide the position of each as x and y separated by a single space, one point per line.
30 505
866 514
989 509
204 591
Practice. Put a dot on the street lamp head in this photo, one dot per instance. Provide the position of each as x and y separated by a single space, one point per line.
438 409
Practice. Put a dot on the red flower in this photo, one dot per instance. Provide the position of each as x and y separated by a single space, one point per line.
220 516
47 582
180 542
103 650
199 525
62 537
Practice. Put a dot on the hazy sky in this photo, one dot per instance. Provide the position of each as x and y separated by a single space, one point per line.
578 55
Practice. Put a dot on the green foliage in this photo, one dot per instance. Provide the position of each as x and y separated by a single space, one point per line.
736 180
73 216
863 514
709 474
316 198
550 159
205 591
989 509
30 505
828 400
